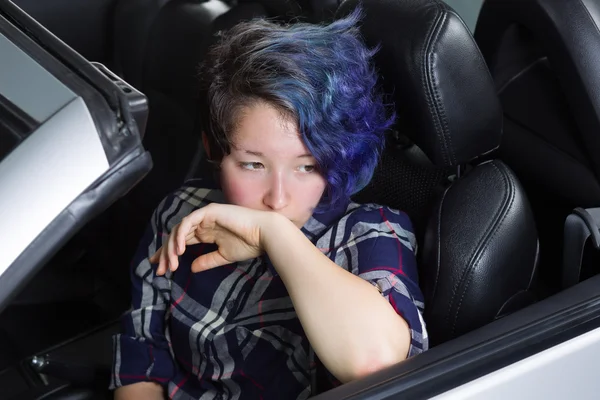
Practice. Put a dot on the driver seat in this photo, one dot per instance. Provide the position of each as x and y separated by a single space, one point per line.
478 244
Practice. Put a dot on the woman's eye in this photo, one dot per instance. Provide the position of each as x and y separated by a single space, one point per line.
251 166
307 168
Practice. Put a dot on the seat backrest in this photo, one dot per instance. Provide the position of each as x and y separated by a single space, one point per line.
545 58
478 251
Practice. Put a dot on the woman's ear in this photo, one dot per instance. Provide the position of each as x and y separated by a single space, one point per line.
206 145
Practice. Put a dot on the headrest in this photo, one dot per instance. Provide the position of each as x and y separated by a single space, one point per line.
182 32
567 33
443 92
177 43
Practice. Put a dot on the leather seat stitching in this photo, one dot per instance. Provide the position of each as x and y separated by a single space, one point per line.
447 137
493 231
490 234
439 244
428 81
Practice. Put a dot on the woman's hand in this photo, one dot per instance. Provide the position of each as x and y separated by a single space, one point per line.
237 231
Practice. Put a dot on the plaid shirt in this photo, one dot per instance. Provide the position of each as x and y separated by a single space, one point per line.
231 332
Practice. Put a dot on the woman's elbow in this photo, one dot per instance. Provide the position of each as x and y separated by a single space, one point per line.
375 361
382 351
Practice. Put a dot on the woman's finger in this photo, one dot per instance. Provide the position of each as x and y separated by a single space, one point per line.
181 235
172 253
207 261
185 234
191 237
160 270
162 260
155 257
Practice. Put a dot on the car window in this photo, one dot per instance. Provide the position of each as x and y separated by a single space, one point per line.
467 9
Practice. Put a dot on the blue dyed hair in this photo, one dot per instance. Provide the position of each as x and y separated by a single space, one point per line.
319 75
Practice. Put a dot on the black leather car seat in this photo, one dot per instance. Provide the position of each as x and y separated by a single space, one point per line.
478 241
544 56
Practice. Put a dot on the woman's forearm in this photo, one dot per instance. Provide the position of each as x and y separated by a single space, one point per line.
353 329
141 390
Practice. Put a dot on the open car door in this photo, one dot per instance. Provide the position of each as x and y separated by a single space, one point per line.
70 145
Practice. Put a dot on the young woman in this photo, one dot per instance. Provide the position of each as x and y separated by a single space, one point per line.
247 286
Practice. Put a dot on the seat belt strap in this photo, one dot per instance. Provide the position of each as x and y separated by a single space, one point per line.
581 225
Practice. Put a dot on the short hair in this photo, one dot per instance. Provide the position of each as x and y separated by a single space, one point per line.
319 75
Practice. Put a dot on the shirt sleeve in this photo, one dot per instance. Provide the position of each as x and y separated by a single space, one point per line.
386 251
142 352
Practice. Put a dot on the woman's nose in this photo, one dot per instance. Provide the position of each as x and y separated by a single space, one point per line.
277 197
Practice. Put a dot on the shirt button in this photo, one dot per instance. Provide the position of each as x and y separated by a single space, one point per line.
229 305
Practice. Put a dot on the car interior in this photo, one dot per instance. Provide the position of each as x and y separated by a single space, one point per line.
545 73
492 157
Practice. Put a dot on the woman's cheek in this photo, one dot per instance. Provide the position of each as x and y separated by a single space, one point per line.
237 190
318 188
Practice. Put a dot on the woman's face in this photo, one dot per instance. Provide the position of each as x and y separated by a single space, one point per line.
270 168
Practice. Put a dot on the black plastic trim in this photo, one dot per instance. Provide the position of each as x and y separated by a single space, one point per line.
24 381
137 101
496 345
20 122
591 225
15 125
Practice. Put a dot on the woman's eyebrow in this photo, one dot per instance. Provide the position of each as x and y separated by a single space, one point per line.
259 154
254 153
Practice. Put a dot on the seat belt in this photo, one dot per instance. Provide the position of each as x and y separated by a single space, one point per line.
581 225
